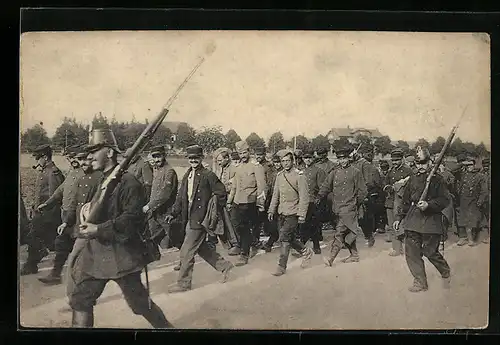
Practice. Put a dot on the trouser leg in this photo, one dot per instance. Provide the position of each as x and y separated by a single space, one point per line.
273 233
413 254
245 218
192 242
430 249
138 299
212 257
462 236
82 300
390 221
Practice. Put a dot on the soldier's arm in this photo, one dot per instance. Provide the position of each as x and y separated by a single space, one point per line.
218 188
234 185
273 206
327 186
147 173
439 201
360 187
483 191
177 208
168 186
303 196
56 178
261 183
125 225
320 177
56 197
405 202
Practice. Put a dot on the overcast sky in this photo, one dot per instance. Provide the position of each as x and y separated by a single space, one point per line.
408 85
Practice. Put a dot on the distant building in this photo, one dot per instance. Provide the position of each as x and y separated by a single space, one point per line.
351 133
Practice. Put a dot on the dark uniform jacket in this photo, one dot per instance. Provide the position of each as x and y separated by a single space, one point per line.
142 172
163 191
117 250
49 179
472 189
371 176
205 185
66 193
393 175
314 177
326 165
429 221
270 175
85 187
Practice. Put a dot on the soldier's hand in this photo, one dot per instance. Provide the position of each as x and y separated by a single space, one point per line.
270 217
41 207
60 228
88 230
145 209
422 205
302 220
229 206
395 225
169 218
317 201
261 208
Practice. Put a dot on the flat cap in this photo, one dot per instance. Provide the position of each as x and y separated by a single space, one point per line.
260 150
308 153
322 150
241 146
276 159
397 153
283 153
158 149
40 150
343 151
81 155
194 151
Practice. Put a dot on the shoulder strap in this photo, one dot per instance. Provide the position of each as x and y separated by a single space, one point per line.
295 189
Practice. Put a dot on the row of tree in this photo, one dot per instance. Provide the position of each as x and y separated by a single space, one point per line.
210 138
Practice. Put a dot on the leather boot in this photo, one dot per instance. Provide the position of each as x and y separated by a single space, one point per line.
470 238
82 319
54 278
307 254
156 317
234 251
334 251
397 247
486 238
283 259
353 251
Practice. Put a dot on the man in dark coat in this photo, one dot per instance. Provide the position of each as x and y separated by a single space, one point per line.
374 187
44 224
325 208
142 171
348 188
393 181
423 222
381 213
197 188
113 249
472 189
311 228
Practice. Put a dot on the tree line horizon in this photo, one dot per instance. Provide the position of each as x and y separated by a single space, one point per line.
70 133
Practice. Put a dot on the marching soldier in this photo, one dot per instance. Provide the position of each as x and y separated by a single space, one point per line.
374 187
381 213
113 249
247 197
449 182
163 194
349 191
423 223
273 230
486 207
290 199
65 193
394 179
472 189
198 186
44 224
315 176
325 208
270 228
142 171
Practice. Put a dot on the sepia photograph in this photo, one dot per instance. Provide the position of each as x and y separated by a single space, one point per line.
267 180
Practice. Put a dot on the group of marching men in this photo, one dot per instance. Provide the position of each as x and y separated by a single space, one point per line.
289 198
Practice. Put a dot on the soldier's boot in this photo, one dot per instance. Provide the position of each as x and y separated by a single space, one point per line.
462 241
307 254
54 277
296 254
156 317
254 250
267 248
470 238
177 267
486 238
388 237
316 247
334 251
82 319
234 251
283 259
29 268
446 282
353 254
242 261
370 241
397 247
417 287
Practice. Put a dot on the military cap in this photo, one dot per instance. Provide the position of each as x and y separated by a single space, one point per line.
42 150
194 151
397 153
102 137
276 159
322 150
343 151
81 155
241 146
283 153
308 153
260 150
158 149
235 155
486 161
410 159
384 163
221 150
366 148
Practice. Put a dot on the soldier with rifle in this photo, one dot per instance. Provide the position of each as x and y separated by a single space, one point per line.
424 198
